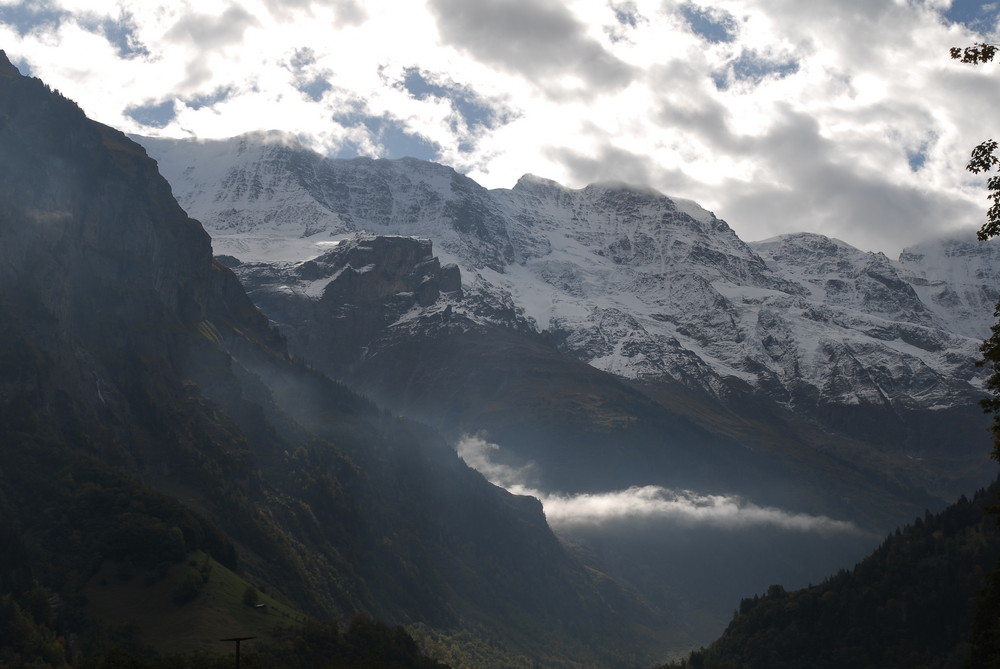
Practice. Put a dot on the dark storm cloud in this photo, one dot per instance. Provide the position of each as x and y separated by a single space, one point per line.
538 39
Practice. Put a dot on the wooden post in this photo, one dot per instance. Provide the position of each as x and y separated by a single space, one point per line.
238 639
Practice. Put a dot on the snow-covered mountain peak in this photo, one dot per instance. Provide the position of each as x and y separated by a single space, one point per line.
957 277
281 138
795 243
632 227
628 279
837 273
812 259
275 201
533 182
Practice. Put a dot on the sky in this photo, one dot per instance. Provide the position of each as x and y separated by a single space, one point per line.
842 117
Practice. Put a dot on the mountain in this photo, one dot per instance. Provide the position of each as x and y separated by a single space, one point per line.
611 343
865 360
150 415
910 603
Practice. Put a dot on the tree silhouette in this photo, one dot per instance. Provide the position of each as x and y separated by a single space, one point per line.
984 159
985 633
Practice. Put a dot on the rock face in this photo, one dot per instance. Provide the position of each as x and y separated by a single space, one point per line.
332 306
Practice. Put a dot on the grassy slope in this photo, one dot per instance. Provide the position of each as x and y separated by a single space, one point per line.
119 596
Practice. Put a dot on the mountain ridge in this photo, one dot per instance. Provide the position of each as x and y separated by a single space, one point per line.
635 284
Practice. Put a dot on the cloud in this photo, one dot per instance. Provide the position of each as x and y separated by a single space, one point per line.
469 107
479 454
210 32
607 163
680 506
651 502
846 117
539 39
843 191
347 12
627 14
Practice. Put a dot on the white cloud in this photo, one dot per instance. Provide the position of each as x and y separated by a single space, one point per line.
681 506
649 502
844 117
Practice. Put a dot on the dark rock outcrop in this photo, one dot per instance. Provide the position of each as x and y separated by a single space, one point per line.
331 307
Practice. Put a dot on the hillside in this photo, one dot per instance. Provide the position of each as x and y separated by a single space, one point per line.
148 410
910 603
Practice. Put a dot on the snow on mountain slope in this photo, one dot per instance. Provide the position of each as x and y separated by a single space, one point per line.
625 278
265 198
957 280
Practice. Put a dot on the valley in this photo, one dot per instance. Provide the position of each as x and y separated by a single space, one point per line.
611 339
413 417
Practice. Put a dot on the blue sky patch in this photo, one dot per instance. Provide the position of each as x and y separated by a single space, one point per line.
121 34
153 115
26 17
302 59
315 88
751 67
209 99
627 14
974 14
916 159
713 25
390 133
473 111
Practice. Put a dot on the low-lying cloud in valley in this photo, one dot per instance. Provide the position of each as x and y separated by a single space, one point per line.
648 502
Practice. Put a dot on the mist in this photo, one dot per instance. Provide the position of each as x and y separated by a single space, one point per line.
646 502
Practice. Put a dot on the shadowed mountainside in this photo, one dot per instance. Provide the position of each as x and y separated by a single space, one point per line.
134 365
